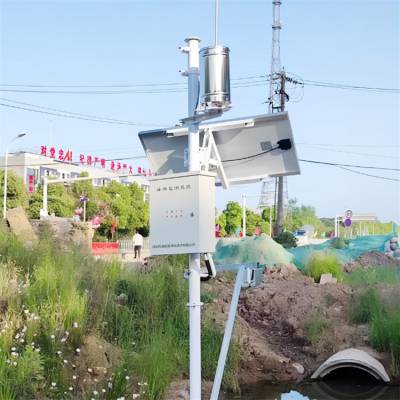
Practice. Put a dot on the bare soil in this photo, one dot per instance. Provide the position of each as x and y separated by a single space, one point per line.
371 259
274 322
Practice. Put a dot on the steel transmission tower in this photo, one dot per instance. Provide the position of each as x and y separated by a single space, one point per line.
274 192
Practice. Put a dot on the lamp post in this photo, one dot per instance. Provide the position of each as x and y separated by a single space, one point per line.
6 174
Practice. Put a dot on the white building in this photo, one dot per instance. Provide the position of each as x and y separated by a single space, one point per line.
33 167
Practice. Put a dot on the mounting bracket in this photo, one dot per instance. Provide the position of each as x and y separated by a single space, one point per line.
210 157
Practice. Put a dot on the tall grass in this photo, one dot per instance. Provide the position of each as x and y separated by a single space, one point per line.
383 317
367 306
361 276
51 299
323 263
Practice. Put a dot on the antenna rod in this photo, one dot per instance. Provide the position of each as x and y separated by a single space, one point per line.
216 22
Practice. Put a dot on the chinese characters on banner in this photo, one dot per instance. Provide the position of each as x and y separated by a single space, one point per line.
31 183
91 161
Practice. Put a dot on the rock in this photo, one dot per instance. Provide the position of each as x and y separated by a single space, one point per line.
327 278
299 368
100 356
20 225
67 231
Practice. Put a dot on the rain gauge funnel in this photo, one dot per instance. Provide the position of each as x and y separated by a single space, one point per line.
215 90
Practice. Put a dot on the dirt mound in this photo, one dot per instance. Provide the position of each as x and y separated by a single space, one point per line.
288 325
371 259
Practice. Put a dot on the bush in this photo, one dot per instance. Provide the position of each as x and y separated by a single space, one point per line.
286 239
323 263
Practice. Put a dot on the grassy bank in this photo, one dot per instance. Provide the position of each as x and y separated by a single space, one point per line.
382 313
51 301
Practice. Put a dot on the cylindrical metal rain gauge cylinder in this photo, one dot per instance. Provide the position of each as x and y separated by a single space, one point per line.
215 90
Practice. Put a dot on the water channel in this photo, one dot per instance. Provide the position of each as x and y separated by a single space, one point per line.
319 391
337 387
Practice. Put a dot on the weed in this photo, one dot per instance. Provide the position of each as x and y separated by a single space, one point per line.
323 263
315 327
330 300
208 297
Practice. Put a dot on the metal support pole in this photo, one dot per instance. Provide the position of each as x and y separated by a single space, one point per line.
244 214
84 211
336 226
270 221
227 335
195 304
5 184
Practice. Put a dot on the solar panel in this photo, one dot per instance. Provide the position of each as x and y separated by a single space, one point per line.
251 148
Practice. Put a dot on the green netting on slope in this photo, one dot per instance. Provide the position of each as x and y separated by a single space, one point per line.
257 249
355 248
266 251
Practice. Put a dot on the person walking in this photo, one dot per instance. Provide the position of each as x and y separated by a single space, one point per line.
137 243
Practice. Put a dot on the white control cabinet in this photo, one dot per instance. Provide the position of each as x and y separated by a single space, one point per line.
182 213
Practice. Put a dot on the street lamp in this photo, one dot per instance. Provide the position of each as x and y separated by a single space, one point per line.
6 173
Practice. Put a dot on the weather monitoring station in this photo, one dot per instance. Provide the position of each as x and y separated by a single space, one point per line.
189 160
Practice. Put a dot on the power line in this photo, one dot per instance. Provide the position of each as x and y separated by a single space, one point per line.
347 145
125 91
103 119
372 176
350 87
348 165
123 85
76 116
178 87
349 152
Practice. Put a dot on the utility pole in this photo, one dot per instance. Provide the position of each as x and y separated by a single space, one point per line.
276 103
279 205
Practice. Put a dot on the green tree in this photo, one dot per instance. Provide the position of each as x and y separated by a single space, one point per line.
16 191
253 220
127 204
60 201
233 216
221 221
298 216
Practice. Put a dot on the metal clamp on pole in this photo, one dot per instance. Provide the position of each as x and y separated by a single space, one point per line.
211 272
